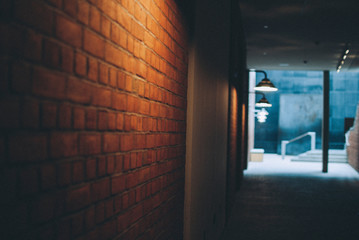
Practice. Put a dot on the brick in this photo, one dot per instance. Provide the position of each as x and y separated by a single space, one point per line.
130 47
105 27
43 209
101 166
91 168
110 164
63 144
48 176
119 101
10 108
124 19
109 208
67 59
78 198
78 171
33 46
64 174
100 190
141 69
101 97
137 30
139 13
113 77
35 14
90 144
28 148
111 121
109 8
127 120
65 116
127 162
79 91
28 181
119 121
70 7
100 212
102 120
94 44
118 163
51 54
64 229
93 70
68 31
90 218
132 104
91 119
95 19
79 118
83 11
149 40
118 184
80 64
111 143
49 114
144 107
56 3
115 56
48 84
21 80
128 83
77 223
104 74
126 142
119 36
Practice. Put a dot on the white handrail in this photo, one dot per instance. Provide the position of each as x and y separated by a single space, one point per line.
312 142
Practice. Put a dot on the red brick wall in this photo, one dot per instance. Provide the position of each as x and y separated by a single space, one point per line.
93 107
353 148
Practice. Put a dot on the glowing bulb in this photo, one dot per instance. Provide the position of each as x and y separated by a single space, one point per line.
347 51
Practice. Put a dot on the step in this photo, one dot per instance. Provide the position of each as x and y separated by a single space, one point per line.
335 155
333 160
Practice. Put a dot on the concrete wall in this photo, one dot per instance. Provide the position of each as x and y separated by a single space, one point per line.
298 114
353 148
207 121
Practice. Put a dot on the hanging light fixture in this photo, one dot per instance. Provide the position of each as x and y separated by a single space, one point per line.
261 115
265 85
263 102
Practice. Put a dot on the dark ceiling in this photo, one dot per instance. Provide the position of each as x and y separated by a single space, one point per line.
301 34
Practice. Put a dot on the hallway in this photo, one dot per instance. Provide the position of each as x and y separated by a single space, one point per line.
281 200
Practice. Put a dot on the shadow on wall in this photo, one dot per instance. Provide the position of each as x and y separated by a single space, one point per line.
299 114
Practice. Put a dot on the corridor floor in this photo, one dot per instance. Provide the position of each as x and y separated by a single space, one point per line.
284 200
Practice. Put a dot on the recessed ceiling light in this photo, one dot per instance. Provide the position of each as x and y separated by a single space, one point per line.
265 26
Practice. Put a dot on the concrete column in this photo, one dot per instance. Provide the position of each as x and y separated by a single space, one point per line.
251 107
325 123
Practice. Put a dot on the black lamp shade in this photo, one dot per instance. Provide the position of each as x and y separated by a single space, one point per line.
263 102
265 86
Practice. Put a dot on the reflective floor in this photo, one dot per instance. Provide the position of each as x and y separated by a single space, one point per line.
284 200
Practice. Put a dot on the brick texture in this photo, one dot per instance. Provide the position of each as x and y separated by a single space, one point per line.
353 148
93 109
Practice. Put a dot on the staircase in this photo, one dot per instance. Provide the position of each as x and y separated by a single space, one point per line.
335 156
